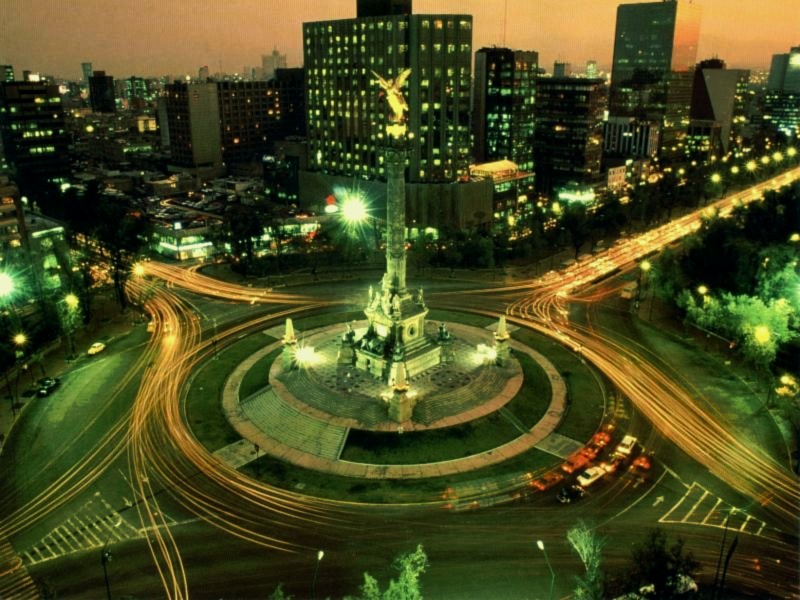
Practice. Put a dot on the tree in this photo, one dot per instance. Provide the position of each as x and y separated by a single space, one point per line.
664 568
589 547
245 224
576 224
406 586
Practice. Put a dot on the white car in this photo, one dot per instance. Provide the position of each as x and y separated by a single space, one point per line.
626 446
590 475
96 348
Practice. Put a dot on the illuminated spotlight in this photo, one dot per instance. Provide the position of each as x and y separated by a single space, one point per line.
6 284
485 355
354 210
305 356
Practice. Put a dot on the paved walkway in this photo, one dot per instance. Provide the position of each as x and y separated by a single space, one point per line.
238 453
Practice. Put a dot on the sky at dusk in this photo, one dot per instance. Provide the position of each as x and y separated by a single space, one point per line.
157 37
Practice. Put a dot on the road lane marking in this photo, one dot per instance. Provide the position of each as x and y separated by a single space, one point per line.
746 521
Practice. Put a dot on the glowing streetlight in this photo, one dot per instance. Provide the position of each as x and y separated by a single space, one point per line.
751 165
354 209
20 339
761 334
71 301
735 170
6 285
645 265
791 152
795 237
540 545
777 157
702 290
138 270
320 554
305 356
765 160
716 178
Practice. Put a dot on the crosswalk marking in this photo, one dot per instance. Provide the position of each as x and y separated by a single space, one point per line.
719 501
95 524
699 506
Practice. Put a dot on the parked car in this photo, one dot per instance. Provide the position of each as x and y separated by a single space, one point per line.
547 481
570 493
96 348
47 386
590 475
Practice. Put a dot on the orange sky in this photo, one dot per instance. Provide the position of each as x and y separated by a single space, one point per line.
155 37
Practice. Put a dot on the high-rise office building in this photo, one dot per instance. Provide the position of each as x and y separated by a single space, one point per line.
569 131
135 92
714 93
503 105
784 72
249 119
562 69
591 69
193 122
202 73
272 62
655 49
781 103
86 71
35 141
381 8
6 73
289 85
347 111
101 93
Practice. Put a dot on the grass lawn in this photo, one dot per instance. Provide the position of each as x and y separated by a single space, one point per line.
209 425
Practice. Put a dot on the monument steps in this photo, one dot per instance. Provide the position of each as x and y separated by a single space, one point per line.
287 425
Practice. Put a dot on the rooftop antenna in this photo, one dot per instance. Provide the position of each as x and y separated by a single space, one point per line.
505 21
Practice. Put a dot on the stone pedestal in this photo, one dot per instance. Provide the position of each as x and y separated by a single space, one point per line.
401 407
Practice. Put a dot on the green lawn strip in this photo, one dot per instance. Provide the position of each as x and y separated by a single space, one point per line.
433 445
290 477
203 399
530 404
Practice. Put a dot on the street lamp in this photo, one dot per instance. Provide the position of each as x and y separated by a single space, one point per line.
6 285
71 313
540 545
761 334
138 270
320 554
105 557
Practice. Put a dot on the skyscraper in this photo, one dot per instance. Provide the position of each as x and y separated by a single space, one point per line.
33 132
249 119
782 99
569 130
135 92
101 93
86 70
346 113
272 62
6 73
503 105
655 49
193 121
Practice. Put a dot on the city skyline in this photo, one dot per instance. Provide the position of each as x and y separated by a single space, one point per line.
155 38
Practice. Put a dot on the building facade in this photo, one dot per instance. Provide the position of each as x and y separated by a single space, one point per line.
35 140
271 63
193 122
347 113
569 131
503 106
6 73
249 119
781 104
655 50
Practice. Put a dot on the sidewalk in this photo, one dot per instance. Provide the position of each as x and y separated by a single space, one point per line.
107 322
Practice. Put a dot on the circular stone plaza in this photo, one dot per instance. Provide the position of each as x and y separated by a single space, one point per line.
310 406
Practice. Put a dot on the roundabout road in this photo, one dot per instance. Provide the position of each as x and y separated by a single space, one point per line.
174 489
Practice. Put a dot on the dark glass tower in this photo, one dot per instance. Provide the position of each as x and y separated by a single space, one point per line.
101 93
346 112
569 131
655 49
503 105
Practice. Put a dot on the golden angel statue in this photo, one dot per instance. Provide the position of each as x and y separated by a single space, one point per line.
393 94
